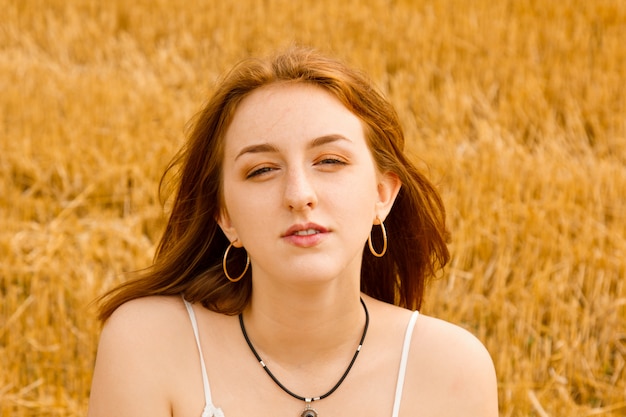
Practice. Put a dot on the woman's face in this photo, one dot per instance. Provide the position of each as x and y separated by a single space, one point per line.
301 190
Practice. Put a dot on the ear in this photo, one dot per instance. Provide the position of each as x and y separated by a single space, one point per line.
224 222
388 188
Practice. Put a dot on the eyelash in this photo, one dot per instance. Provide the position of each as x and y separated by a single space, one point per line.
259 171
323 161
332 161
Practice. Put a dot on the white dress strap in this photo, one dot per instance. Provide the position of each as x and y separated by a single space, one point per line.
209 409
403 361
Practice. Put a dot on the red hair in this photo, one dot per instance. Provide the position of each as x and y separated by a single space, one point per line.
189 256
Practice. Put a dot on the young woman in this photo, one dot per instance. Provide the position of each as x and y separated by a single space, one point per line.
295 255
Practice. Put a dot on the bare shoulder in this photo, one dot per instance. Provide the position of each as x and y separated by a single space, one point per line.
146 312
140 326
450 371
448 339
134 369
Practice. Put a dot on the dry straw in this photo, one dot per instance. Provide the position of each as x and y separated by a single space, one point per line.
516 108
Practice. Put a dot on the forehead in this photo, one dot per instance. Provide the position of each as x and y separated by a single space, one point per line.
281 111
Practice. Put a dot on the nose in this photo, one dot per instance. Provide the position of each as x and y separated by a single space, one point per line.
299 190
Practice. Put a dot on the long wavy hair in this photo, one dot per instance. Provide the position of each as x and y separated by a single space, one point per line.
188 259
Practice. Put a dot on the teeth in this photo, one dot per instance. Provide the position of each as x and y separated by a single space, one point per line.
306 232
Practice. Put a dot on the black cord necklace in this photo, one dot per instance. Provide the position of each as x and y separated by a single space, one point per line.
308 410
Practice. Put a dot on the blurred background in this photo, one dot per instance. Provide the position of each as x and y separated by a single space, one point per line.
515 109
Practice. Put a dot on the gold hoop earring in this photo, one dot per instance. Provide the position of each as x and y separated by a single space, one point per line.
369 240
231 279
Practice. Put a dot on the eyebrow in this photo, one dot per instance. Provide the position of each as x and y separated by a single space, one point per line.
269 148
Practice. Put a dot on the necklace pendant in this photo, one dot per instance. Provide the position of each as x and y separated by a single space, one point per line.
309 411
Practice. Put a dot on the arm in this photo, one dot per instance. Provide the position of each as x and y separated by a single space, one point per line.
129 375
473 380
452 373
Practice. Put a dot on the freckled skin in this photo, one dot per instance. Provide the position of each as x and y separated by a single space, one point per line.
299 153
295 160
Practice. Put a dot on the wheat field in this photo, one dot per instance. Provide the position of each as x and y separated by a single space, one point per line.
516 109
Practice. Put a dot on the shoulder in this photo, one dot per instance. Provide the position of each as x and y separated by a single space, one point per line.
134 368
152 304
447 338
145 311
450 371
137 329
143 322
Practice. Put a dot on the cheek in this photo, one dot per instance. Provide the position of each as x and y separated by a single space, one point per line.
231 205
355 202
362 190
248 213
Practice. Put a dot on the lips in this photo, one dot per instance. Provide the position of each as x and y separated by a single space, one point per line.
305 230
305 235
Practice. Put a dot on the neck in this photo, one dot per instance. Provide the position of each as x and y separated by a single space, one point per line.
307 351
309 399
290 330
